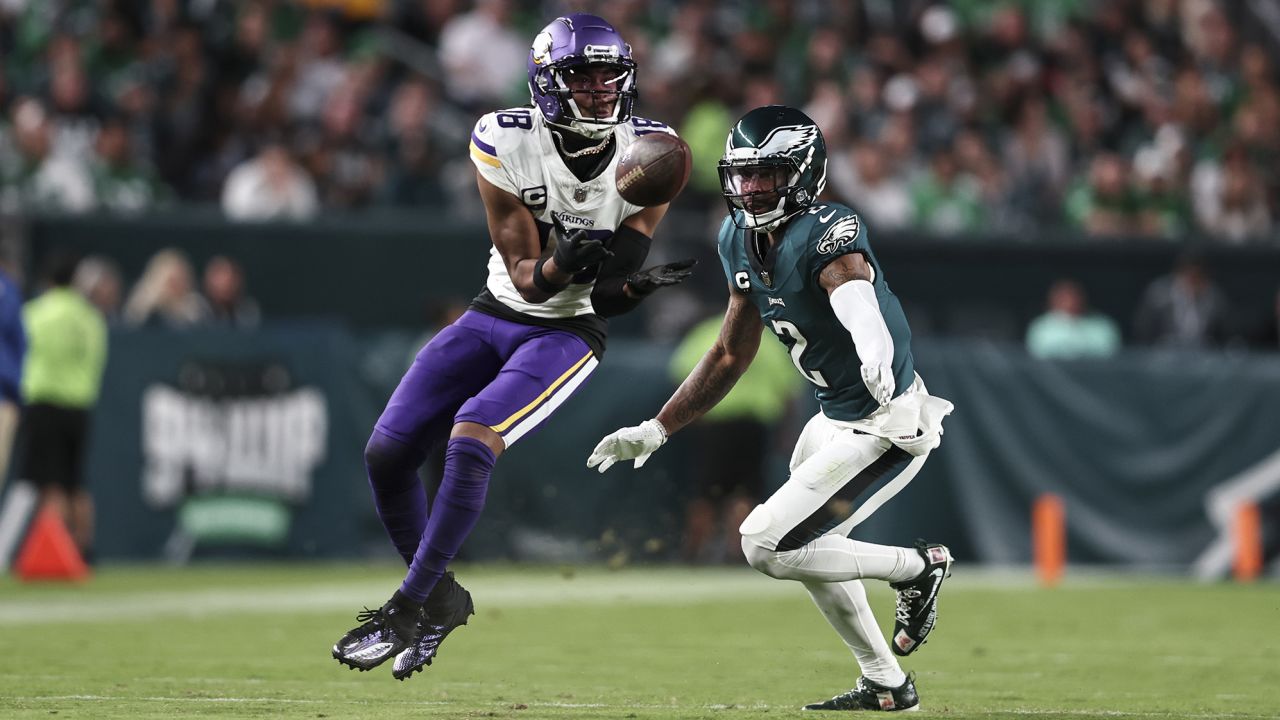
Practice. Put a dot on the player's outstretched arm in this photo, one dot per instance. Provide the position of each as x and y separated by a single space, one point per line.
847 280
621 284
718 371
716 374
639 284
515 234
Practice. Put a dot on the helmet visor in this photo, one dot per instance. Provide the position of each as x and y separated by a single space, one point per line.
594 92
760 186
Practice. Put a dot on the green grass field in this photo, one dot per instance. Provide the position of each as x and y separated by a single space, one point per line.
638 643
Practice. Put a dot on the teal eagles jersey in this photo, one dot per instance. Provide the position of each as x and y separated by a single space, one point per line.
784 288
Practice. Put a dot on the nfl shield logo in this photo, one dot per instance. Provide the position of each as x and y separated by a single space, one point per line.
767 278
580 194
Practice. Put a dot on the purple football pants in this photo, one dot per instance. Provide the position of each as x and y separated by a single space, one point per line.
504 375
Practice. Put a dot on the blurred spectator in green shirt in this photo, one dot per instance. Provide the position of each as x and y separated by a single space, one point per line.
1163 207
35 178
703 129
1104 204
66 356
121 183
1068 330
945 201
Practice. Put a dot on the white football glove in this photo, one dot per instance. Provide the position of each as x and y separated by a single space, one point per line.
879 381
637 442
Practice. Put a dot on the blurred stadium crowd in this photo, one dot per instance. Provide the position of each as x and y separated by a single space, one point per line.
1013 119
997 130
1113 118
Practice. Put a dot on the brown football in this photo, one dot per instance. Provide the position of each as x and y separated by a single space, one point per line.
654 169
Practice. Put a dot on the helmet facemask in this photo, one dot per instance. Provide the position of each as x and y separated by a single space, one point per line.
759 188
559 80
767 190
581 43
774 167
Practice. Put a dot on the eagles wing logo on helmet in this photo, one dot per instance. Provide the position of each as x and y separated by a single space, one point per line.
842 233
785 139
788 138
780 141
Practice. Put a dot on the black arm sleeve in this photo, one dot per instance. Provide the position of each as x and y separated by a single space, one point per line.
630 247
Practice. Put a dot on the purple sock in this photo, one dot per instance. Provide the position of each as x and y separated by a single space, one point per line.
398 494
468 464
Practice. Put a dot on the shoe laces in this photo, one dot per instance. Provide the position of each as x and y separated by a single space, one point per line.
903 610
367 616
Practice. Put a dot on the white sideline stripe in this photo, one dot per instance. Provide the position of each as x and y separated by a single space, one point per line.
494 592
1032 711
660 587
648 706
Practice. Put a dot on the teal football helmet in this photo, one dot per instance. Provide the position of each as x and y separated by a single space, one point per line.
774 167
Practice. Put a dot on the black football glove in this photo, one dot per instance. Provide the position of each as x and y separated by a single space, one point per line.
643 282
576 252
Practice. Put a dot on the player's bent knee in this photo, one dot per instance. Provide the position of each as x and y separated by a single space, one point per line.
482 433
755 530
388 459
761 558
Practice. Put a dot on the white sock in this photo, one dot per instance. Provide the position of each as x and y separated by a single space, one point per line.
845 606
835 558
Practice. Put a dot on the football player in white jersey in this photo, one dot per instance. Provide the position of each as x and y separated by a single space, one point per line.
567 251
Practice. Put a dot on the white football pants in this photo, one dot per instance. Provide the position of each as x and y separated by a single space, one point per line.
839 477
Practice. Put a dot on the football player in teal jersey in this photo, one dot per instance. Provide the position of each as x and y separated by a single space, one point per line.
804 269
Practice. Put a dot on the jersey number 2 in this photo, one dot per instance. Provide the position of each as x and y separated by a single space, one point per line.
791 336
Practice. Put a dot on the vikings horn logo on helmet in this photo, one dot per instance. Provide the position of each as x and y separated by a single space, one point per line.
541 51
567 45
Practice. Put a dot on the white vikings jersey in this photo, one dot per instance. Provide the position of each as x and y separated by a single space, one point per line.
514 150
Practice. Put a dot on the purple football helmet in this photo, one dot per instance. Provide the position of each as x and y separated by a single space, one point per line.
571 43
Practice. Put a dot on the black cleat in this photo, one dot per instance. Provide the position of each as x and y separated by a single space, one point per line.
447 608
385 632
917 610
871 695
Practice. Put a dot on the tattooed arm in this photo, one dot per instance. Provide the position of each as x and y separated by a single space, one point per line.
707 385
718 371
843 269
